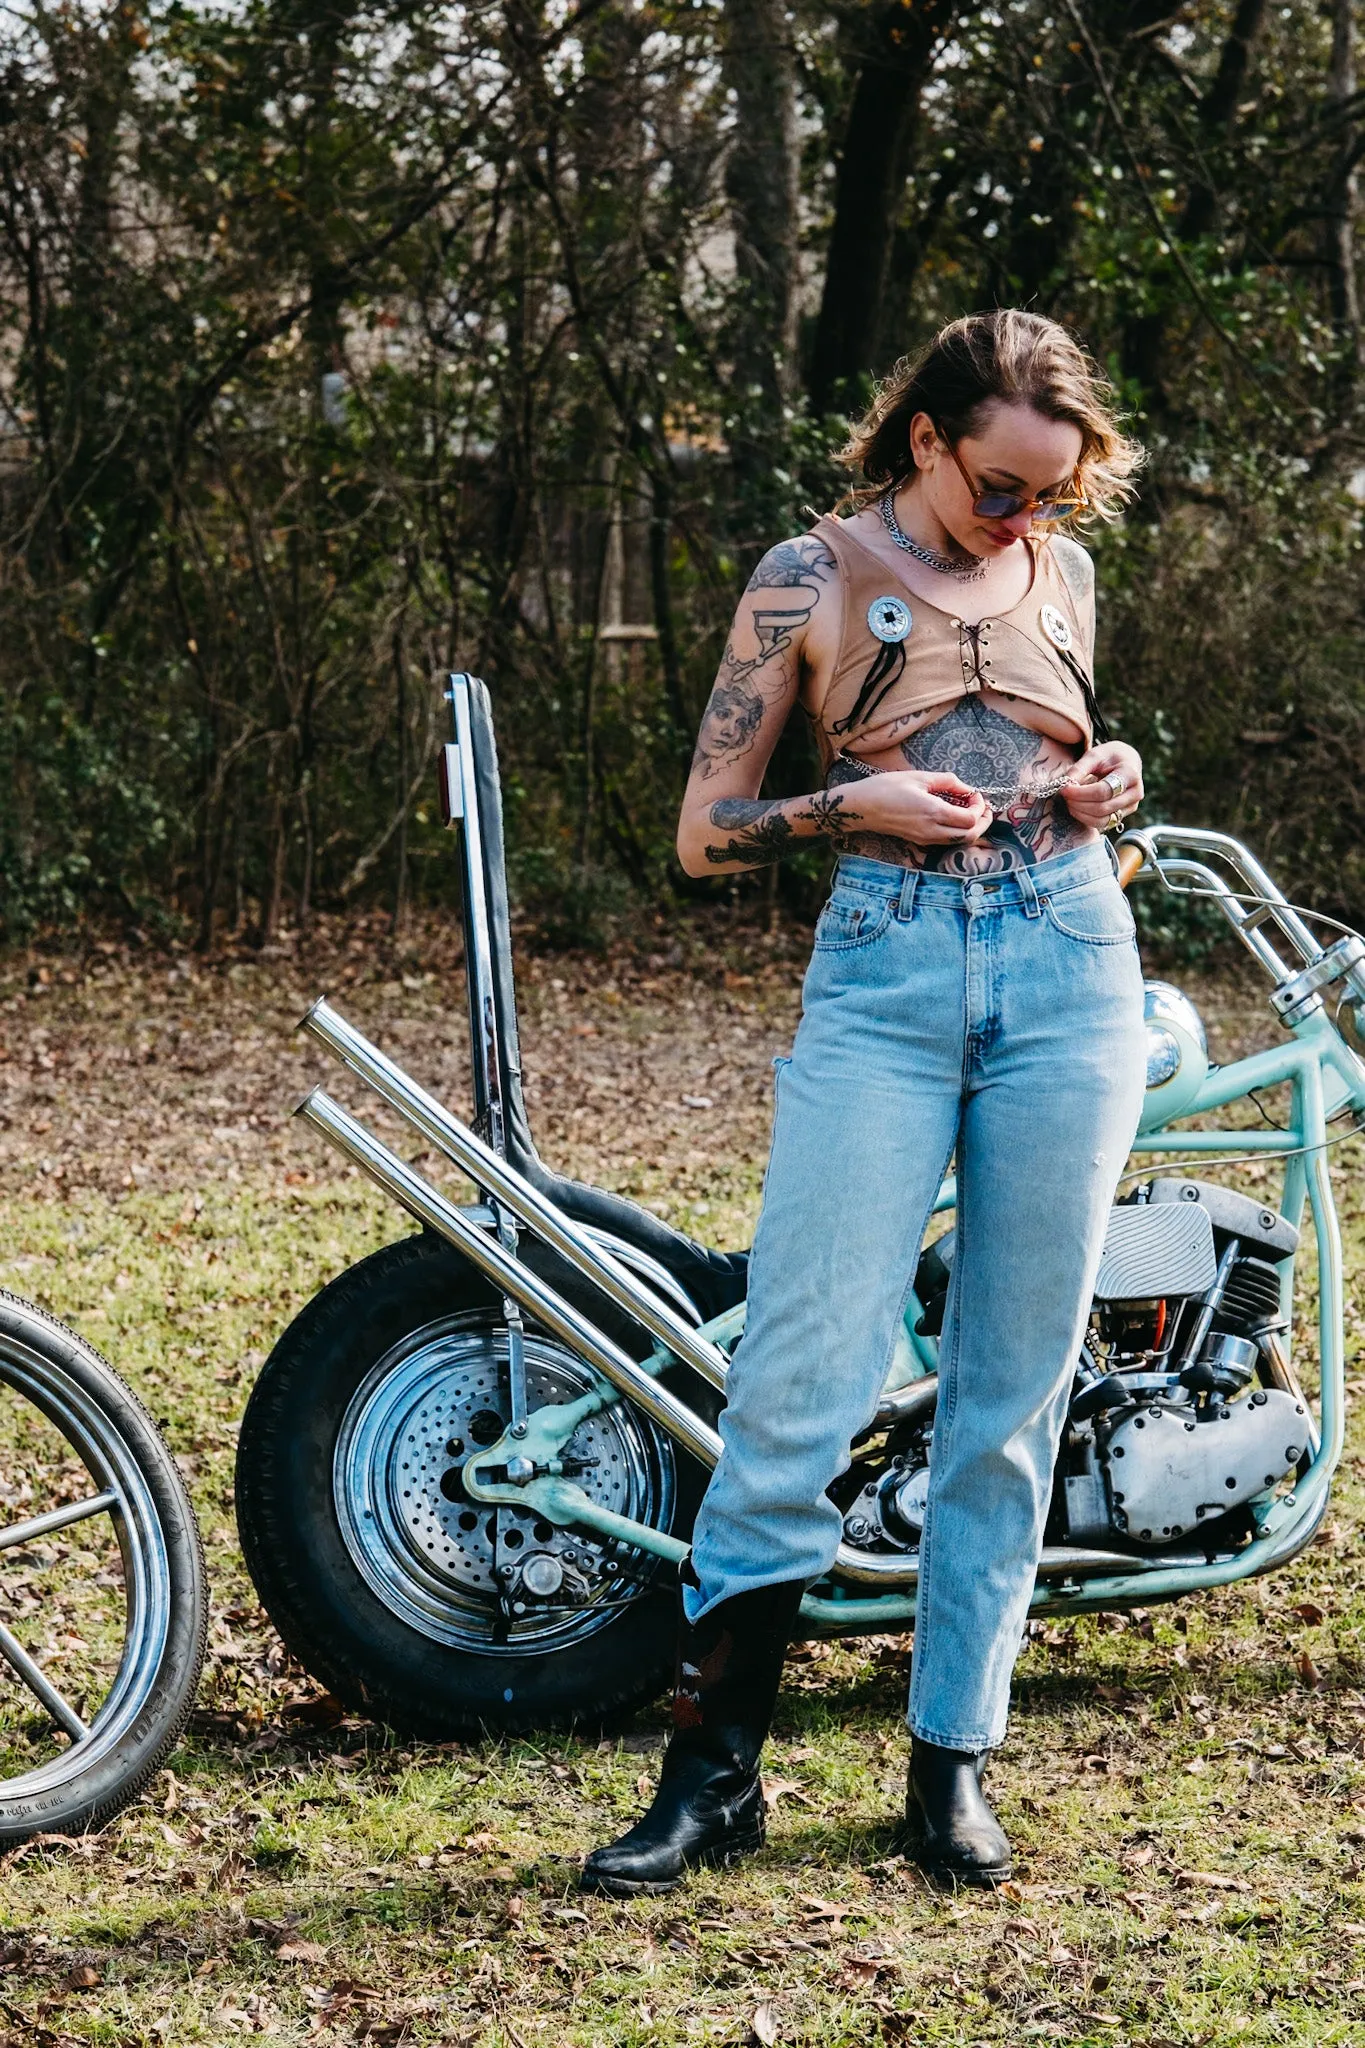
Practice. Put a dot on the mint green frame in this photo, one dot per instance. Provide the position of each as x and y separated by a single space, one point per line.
1324 1077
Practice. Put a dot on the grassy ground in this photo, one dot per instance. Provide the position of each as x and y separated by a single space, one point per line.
1185 1788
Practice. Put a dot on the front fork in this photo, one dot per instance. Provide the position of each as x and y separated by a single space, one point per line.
526 1467
508 1236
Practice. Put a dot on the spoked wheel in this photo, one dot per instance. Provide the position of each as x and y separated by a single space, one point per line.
103 1611
406 1598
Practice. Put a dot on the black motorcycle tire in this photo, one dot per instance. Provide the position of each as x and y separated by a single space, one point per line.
368 1657
119 1772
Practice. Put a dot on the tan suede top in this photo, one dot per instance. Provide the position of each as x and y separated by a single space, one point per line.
1038 650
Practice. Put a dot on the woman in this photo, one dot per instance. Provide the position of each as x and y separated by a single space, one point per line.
974 991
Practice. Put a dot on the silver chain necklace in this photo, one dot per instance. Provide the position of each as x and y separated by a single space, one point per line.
947 565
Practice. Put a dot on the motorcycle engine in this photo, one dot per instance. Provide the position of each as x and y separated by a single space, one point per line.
1176 1420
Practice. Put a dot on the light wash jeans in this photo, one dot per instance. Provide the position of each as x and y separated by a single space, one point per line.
1001 1020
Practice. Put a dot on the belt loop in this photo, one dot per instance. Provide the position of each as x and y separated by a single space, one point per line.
1027 893
1108 846
905 909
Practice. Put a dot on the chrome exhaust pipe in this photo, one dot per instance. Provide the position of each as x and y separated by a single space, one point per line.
491 1173
865 1568
508 1274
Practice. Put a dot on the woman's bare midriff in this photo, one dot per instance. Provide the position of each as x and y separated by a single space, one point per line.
988 740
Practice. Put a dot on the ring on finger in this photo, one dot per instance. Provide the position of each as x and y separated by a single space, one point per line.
1116 782
1114 822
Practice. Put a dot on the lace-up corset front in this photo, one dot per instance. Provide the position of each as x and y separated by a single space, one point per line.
900 656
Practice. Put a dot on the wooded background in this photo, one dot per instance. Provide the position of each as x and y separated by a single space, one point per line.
342 344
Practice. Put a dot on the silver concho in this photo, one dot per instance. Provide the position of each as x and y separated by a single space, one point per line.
1055 626
888 619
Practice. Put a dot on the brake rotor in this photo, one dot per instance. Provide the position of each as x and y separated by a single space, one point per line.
461 1572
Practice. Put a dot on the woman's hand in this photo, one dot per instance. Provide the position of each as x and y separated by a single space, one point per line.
1105 784
928 810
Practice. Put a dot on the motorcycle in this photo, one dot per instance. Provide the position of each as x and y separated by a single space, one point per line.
101 1569
469 1465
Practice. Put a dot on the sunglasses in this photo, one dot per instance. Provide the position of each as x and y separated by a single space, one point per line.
1005 504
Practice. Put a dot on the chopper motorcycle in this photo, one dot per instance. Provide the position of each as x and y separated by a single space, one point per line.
470 1464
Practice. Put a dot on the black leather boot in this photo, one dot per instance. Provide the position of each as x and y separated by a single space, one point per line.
951 1831
709 1804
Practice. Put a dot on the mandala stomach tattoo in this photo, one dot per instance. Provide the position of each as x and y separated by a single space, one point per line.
1020 772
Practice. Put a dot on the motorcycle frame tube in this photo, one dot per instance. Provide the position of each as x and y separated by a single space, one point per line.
493 1176
351 1138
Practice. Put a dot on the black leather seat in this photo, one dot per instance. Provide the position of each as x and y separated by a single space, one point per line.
714 1280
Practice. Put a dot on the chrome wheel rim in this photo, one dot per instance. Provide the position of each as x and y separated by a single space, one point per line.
119 1490
466 1575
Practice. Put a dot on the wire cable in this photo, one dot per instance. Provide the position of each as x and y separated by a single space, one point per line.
1248 1158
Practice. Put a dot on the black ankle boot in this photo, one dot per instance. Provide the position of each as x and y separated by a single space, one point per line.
952 1832
709 1804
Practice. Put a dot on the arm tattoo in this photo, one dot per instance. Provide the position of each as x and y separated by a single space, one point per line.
765 832
792 563
732 718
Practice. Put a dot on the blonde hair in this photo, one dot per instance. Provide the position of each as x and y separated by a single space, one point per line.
1019 358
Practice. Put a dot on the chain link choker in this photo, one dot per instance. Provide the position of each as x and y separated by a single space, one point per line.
971 571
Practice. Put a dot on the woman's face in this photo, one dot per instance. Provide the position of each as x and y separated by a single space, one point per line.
1012 448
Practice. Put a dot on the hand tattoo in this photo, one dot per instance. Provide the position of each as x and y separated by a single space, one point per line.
734 714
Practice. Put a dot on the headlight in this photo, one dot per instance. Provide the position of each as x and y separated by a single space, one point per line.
1163 1054
1177 1054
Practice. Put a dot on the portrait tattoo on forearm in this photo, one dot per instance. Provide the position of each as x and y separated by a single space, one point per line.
764 832
734 714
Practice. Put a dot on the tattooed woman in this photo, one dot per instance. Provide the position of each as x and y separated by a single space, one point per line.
974 993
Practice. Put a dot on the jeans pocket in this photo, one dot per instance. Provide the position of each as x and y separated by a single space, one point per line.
851 918
1097 913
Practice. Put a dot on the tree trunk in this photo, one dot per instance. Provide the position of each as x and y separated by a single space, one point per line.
400 708
1342 194
894 57
1145 334
1219 109
761 183
661 592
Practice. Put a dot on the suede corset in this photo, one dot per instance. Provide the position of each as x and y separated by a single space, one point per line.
899 654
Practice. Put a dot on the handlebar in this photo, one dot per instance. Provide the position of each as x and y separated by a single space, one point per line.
1268 924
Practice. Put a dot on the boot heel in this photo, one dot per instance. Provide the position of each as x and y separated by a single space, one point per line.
748 1831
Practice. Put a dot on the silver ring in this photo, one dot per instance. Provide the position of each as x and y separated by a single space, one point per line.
1116 781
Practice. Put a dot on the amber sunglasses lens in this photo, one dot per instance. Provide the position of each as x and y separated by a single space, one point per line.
1002 505
997 505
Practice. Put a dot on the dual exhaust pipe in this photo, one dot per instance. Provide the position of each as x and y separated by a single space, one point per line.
511 1276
